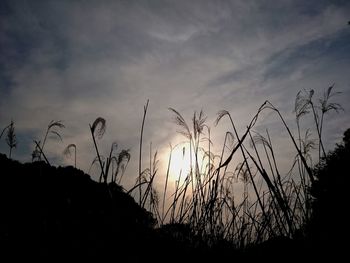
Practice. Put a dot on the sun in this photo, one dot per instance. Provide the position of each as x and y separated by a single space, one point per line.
182 159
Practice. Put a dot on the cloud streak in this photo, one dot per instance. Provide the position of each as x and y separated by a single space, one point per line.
76 61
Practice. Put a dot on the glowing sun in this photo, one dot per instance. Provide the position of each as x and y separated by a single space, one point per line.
182 159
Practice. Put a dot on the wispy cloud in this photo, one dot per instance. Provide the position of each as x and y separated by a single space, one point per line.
76 61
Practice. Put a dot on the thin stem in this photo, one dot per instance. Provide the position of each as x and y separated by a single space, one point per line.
97 152
166 182
41 151
140 155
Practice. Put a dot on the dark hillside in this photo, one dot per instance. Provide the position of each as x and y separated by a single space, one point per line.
54 211
49 212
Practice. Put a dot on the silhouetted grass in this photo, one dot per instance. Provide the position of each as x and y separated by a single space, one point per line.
67 152
10 137
205 212
280 205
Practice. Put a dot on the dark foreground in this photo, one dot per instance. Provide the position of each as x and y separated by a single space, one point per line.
60 213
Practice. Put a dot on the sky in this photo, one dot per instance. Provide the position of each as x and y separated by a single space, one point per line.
78 60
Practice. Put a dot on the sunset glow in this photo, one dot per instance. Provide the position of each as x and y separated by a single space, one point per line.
194 129
181 161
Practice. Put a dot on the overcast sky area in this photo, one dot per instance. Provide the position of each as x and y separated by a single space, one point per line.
78 60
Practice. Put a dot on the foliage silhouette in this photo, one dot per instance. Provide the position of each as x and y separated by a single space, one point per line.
329 225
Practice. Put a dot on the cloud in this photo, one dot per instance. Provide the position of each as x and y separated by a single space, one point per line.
77 61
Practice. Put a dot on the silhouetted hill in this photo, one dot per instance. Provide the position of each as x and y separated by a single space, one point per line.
49 211
54 212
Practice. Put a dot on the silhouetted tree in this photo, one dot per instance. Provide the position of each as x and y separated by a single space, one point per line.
330 190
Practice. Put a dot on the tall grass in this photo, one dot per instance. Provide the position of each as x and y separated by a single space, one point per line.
52 129
205 197
140 153
118 161
67 152
10 139
272 204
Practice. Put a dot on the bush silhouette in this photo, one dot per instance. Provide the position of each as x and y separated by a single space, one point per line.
329 223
